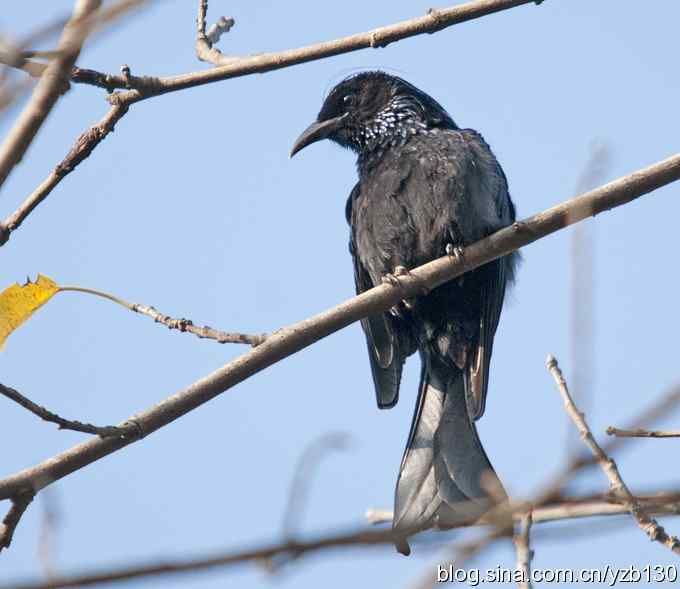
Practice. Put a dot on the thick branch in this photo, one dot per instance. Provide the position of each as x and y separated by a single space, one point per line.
47 90
289 340
647 524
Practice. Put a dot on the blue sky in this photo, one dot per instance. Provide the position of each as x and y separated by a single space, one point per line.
193 206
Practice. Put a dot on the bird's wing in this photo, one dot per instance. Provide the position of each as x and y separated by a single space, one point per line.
492 295
498 273
384 351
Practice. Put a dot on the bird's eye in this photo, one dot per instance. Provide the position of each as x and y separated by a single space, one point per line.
349 99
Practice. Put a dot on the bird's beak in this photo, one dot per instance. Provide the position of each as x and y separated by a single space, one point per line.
316 131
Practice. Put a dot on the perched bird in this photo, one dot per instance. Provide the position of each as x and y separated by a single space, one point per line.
426 188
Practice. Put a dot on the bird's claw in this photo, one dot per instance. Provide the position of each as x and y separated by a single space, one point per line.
455 251
393 278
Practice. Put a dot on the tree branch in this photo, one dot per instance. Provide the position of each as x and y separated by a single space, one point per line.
47 90
183 325
658 410
289 340
647 524
20 503
204 41
641 433
45 414
16 57
83 147
524 552
566 508
435 20
108 82
293 549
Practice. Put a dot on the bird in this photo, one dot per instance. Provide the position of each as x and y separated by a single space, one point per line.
426 188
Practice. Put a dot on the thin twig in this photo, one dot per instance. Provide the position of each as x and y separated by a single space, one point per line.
433 21
48 89
15 56
183 325
656 411
47 415
524 552
641 433
19 504
204 41
647 524
81 150
89 77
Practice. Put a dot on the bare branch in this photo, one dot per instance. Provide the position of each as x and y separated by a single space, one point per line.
182 325
289 340
668 503
641 433
108 82
80 151
433 21
567 508
146 87
47 90
658 410
647 524
524 552
15 56
19 504
204 41
46 415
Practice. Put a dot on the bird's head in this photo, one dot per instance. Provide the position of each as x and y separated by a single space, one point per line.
370 110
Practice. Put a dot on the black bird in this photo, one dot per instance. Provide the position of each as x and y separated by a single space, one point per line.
426 188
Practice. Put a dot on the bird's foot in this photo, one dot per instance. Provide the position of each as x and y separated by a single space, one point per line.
393 279
455 251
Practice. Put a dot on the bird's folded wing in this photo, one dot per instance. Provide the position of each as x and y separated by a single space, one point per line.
493 293
384 352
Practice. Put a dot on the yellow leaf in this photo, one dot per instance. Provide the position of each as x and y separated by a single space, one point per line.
19 302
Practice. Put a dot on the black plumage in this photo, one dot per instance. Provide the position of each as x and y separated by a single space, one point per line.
426 187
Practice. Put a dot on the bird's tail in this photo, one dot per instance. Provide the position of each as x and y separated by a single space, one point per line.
445 474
